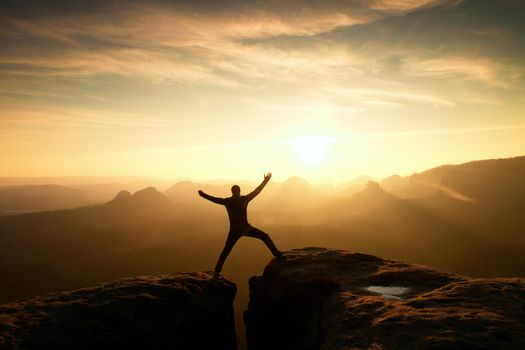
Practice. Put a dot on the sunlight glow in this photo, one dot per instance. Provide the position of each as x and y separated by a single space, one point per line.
312 150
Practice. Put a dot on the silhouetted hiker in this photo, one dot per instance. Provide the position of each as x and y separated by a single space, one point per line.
236 205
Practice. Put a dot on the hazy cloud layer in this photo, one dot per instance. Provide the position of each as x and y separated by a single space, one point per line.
238 43
165 68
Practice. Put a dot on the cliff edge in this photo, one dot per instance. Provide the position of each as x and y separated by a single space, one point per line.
179 311
334 299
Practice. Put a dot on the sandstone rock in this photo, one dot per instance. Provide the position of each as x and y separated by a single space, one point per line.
176 311
318 299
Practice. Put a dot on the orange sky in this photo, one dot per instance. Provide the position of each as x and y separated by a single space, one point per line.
203 90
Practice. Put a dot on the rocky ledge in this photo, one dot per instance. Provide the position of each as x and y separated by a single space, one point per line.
333 299
177 311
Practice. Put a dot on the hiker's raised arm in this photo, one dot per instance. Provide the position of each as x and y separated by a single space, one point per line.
212 198
259 188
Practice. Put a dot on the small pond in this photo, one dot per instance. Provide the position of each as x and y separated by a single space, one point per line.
389 292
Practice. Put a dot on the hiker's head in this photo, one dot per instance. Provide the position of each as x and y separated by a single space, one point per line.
236 190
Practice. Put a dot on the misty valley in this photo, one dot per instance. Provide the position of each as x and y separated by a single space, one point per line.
467 219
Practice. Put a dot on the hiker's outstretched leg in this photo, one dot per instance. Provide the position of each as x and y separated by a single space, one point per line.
256 233
230 242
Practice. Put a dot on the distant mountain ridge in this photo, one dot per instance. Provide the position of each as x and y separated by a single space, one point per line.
481 178
39 243
148 232
40 197
144 205
35 196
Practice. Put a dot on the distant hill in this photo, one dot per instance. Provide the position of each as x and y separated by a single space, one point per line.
486 197
31 194
148 199
26 198
186 191
481 180
293 194
375 220
100 224
143 206
353 186
55 245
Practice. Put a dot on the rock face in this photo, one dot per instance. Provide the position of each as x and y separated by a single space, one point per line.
318 299
176 311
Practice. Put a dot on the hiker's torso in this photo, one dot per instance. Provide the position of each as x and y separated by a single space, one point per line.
237 207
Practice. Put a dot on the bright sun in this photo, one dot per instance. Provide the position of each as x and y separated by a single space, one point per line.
312 149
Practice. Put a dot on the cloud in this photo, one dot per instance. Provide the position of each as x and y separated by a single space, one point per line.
480 70
191 19
91 38
402 6
387 97
430 132
73 118
233 44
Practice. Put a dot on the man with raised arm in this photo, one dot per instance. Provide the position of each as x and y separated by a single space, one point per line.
237 206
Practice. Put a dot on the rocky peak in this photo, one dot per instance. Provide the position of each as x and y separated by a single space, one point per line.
123 195
335 299
373 186
296 182
147 199
176 311
147 194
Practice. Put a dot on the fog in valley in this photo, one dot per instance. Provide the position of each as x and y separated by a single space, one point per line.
464 218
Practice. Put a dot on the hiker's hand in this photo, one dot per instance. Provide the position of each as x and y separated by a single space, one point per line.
267 177
201 193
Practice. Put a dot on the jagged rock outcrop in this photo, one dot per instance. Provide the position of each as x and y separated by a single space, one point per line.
320 299
122 196
176 311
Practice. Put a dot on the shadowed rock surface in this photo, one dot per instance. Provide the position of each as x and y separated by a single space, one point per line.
177 311
318 299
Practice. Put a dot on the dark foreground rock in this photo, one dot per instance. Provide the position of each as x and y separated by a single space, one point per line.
318 299
176 311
